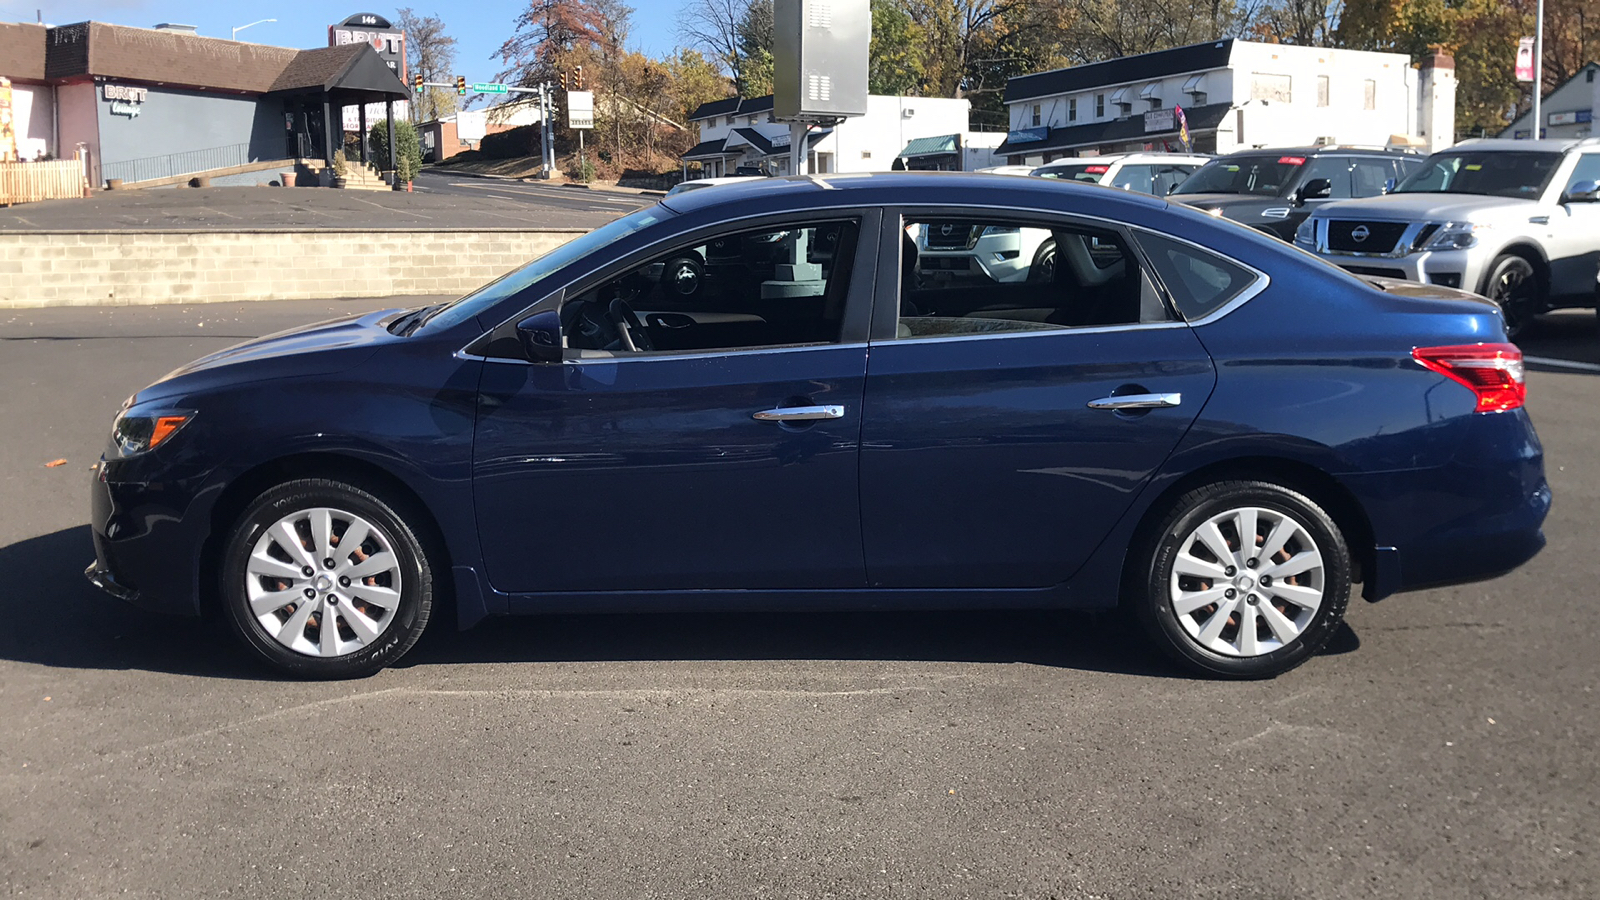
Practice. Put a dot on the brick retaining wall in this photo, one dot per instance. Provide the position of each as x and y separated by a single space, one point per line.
128 268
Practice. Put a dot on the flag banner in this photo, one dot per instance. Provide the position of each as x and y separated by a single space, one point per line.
1525 59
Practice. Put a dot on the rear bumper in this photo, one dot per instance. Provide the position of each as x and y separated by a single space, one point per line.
1475 518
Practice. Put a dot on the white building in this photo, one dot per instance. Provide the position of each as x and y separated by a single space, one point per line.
1235 95
1568 110
740 134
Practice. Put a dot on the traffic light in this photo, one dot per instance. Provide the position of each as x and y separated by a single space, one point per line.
563 79
577 78
461 85
417 82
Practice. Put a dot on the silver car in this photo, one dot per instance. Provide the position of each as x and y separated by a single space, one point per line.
1515 221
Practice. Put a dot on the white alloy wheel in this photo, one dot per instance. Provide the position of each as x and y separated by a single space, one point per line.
1247 582
323 582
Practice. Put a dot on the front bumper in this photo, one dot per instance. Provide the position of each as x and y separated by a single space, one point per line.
1450 268
148 536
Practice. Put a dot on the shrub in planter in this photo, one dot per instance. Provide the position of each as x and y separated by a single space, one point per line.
408 150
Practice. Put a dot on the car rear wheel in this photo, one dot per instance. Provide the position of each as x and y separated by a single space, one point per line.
323 579
1243 579
1514 285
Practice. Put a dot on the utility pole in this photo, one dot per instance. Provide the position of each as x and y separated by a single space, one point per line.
1538 73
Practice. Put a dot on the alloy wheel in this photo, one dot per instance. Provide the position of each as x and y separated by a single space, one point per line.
1247 582
323 582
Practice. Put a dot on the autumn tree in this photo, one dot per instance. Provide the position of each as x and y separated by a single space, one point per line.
431 53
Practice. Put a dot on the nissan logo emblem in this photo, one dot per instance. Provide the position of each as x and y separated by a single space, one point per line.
947 229
1360 233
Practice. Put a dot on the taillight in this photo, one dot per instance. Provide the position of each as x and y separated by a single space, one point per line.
1492 371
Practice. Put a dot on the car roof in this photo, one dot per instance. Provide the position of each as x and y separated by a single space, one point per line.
1323 150
894 188
1107 158
1504 144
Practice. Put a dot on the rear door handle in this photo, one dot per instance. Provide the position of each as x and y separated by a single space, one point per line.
1137 401
799 414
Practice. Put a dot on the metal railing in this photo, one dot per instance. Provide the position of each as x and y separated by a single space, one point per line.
174 165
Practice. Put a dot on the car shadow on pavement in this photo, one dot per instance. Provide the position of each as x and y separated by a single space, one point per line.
1569 339
54 617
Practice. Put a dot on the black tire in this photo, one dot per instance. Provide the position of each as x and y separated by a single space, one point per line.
1151 581
411 565
1513 284
1043 268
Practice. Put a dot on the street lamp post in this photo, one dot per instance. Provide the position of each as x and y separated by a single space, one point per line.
251 25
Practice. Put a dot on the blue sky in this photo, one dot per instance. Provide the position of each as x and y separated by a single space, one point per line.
479 26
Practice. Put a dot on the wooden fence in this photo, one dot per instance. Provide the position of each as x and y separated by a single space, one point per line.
29 181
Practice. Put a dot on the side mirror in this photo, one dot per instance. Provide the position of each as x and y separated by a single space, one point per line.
1582 192
540 335
1315 189
1389 186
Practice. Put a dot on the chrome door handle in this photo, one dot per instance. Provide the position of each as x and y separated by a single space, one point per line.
799 414
1137 401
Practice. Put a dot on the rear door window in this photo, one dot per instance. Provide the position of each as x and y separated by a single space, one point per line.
1198 281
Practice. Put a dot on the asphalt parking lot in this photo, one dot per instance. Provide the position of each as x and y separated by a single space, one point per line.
442 201
1443 747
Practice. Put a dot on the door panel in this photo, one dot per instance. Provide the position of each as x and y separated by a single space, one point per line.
982 464
652 474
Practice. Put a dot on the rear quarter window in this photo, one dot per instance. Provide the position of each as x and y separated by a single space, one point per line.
1199 282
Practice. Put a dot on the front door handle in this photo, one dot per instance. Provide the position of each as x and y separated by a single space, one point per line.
1138 401
799 414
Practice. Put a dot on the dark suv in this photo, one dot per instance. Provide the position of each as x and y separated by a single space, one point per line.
1275 190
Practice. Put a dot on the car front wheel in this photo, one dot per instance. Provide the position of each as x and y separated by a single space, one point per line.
1514 286
1243 579
323 579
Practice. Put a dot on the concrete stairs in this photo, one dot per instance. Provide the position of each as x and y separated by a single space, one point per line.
360 177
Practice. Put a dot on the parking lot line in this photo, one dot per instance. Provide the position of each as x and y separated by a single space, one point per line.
1561 363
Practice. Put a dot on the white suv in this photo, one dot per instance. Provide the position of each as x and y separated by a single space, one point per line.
1147 173
1515 221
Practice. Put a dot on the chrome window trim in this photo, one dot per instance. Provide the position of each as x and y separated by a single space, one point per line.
1032 333
662 356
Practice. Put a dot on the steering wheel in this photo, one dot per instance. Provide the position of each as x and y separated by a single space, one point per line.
632 331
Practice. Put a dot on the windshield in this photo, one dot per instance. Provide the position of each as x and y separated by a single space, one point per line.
1086 172
1263 176
518 280
1515 173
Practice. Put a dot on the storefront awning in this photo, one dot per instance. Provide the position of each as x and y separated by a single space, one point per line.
930 146
707 150
1094 134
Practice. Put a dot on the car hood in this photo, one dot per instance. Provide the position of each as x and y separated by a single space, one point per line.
1424 207
323 348
1234 206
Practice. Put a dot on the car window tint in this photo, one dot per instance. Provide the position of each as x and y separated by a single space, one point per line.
1368 176
962 277
1135 178
519 280
741 289
1587 169
1198 281
1336 170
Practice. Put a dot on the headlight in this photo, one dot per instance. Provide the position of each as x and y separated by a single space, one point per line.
1306 234
136 432
1456 236
1000 229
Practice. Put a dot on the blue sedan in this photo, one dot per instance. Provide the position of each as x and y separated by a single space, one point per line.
760 396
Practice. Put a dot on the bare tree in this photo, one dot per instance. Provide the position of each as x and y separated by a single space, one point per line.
714 26
430 53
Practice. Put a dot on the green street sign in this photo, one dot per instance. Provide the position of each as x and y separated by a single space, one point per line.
488 87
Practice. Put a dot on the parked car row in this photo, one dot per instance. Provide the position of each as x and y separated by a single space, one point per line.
1515 221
